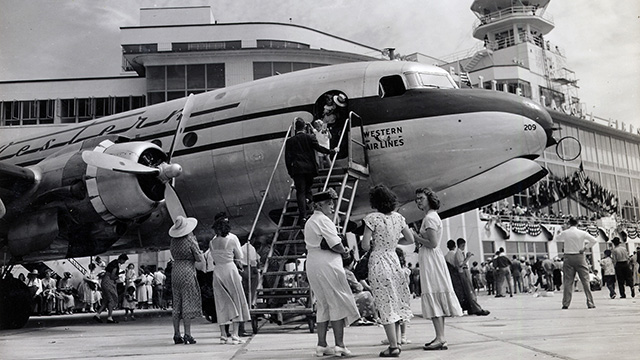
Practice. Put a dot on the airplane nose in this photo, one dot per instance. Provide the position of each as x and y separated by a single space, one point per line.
540 115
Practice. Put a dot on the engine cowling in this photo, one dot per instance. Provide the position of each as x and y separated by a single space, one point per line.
78 209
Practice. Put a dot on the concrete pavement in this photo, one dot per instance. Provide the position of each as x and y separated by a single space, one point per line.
522 327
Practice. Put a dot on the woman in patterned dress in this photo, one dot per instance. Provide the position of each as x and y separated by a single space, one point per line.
185 252
109 290
438 297
327 279
228 291
383 232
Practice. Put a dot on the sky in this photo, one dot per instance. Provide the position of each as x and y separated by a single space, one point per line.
47 39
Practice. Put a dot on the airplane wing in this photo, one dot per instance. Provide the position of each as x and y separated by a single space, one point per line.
14 180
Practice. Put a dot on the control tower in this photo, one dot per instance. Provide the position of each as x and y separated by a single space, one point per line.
515 57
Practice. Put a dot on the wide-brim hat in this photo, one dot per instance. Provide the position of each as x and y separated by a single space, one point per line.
325 195
182 226
340 100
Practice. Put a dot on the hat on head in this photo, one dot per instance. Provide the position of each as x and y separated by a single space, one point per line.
221 215
325 195
340 100
182 226
34 272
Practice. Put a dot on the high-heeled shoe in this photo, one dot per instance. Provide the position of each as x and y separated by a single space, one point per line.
188 339
178 340
341 351
436 346
390 352
323 350
235 340
223 339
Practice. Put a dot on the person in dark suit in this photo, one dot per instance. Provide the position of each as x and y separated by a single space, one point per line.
300 158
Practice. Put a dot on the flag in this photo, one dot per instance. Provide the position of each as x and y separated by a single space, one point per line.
582 177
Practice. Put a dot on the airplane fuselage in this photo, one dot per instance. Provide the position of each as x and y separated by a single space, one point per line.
415 136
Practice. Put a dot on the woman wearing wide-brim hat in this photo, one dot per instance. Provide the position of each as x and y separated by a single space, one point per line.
185 252
334 301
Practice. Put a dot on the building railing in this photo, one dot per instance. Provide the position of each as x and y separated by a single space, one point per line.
512 12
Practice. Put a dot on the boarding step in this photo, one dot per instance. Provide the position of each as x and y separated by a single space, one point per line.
287 257
274 273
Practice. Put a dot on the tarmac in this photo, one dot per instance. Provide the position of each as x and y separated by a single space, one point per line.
521 327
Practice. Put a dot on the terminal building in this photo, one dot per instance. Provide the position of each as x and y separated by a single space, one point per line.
594 173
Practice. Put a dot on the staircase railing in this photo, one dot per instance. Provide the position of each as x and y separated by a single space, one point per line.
348 124
266 192
264 198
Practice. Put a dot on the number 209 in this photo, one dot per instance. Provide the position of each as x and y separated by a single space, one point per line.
529 127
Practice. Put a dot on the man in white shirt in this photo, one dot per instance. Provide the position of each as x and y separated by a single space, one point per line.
575 243
158 289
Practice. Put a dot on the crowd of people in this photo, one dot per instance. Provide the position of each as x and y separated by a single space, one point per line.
103 287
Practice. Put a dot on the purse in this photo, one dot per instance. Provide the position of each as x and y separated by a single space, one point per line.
361 271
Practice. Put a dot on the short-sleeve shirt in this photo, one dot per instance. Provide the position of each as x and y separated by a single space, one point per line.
432 221
319 226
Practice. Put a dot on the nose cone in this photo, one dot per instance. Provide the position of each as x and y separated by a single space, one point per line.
539 114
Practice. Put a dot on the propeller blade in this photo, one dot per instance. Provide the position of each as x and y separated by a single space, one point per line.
116 163
186 114
174 205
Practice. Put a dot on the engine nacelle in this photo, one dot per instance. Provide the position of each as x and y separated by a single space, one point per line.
122 196
78 209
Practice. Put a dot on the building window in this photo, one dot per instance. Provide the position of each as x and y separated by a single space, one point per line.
215 76
280 44
488 249
266 69
551 97
139 48
207 46
530 250
171 82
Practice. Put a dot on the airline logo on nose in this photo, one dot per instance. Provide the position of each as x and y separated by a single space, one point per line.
384 138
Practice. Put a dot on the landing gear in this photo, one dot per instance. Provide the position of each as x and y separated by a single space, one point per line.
15 303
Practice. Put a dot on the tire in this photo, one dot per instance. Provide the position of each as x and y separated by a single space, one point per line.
15 304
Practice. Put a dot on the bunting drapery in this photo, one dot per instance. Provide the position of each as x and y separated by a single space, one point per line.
579 185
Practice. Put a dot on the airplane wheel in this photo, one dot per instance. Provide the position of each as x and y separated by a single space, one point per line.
15 304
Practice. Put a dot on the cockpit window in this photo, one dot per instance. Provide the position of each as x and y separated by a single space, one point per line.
422 80
391 86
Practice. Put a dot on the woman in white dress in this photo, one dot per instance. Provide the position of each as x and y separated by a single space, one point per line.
228 292
334 301
383 231
438 297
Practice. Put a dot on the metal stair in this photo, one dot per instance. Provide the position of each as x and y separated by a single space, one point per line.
285 290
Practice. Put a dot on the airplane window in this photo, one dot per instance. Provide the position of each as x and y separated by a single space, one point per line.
439 81
391 86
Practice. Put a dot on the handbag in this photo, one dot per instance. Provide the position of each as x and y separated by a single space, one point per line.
361 271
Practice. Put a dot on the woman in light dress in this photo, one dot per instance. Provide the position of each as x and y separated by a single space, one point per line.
89 289
334 301
228 293
384 230
438 297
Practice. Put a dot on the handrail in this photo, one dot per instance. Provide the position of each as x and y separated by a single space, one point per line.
266 192
335 156
78 266
350 150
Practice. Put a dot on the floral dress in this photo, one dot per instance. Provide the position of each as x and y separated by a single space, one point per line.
187 303
388 282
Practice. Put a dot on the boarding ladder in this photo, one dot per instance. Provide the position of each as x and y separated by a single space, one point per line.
285 290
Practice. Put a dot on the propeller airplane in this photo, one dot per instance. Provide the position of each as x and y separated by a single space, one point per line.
114 184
